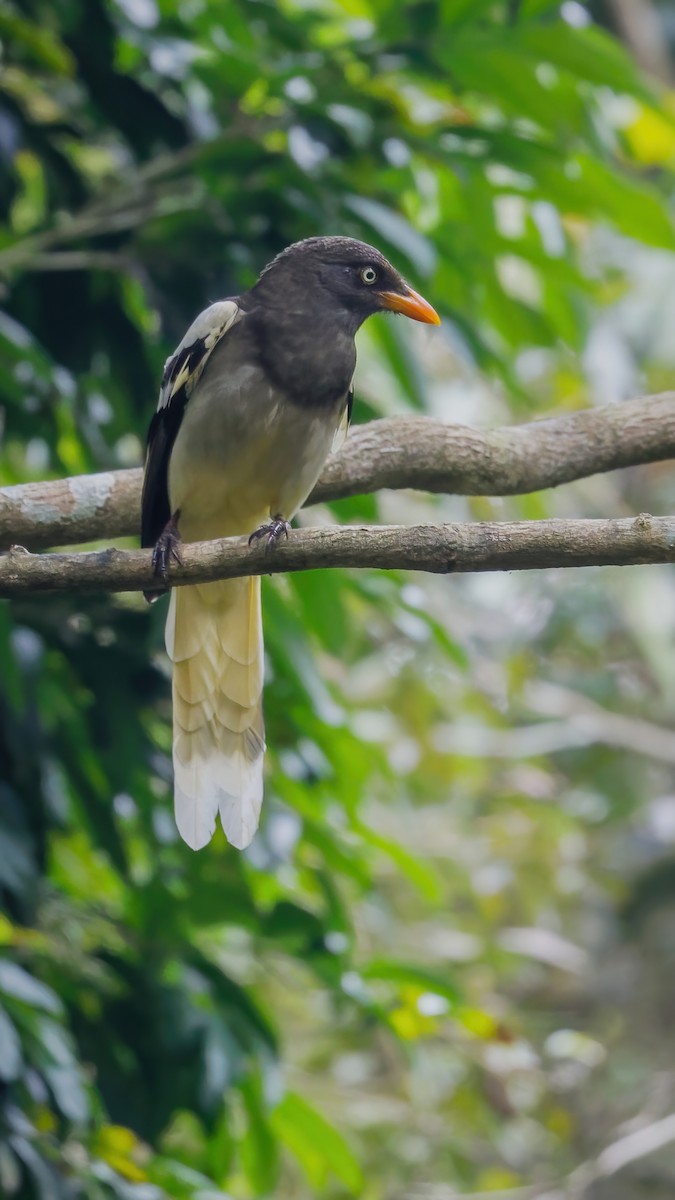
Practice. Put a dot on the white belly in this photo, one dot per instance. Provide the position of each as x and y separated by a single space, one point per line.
245 454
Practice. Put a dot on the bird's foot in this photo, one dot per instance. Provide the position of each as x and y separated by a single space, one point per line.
166 549
273 531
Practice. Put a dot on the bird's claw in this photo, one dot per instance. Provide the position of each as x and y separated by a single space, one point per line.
273 531
166 550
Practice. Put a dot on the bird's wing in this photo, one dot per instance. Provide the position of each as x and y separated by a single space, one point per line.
182 373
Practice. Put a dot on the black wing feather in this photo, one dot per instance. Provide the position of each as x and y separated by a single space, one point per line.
181 375
155 507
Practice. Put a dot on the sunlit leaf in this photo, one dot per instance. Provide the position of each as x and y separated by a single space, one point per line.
320 1149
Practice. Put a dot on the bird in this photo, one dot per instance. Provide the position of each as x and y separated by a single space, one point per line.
249 408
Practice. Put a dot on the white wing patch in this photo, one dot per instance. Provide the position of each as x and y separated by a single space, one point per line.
340 435
185 366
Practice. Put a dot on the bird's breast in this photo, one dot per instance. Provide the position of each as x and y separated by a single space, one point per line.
245 451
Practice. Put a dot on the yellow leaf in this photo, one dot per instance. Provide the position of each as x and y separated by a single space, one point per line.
410 1024
120 1148
7 932
561 1123
126 1168
651 137
45 1120
497 1179
477 1022
116 1138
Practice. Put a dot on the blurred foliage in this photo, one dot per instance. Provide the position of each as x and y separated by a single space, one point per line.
441 962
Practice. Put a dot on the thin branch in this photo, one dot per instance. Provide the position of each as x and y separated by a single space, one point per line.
78 260
641 25
565 719
412 452
637 1145
484 546
629 1149
611 1161
155 188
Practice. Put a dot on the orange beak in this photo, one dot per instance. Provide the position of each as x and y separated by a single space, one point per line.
411 304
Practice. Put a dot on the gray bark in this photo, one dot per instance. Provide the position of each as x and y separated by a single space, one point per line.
413 452
442 549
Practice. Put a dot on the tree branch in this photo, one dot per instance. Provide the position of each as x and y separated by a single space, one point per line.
167 183
480 546
641 26
411 452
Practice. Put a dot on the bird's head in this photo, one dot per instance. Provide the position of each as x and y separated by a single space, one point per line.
343 276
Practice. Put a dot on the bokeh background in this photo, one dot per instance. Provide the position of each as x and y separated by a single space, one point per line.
446 966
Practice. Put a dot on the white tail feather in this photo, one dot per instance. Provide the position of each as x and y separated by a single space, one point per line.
214 639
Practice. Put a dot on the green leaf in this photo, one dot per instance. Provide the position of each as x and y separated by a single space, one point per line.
636 209
68 1091
39 42
47 1182
16 983
321 596
420 873
411 975
588 53
317 1145
10 1049
454 12
402 362
259 1152
396 231
499 71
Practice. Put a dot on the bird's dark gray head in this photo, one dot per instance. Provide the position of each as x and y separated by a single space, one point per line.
342 276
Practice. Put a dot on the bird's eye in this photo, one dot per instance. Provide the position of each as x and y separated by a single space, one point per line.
368 275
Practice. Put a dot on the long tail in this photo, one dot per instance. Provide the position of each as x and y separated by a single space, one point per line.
214 639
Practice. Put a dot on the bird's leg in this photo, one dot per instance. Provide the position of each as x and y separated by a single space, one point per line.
166 548
272 531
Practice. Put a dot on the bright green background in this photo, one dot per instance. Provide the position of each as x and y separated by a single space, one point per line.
446 965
